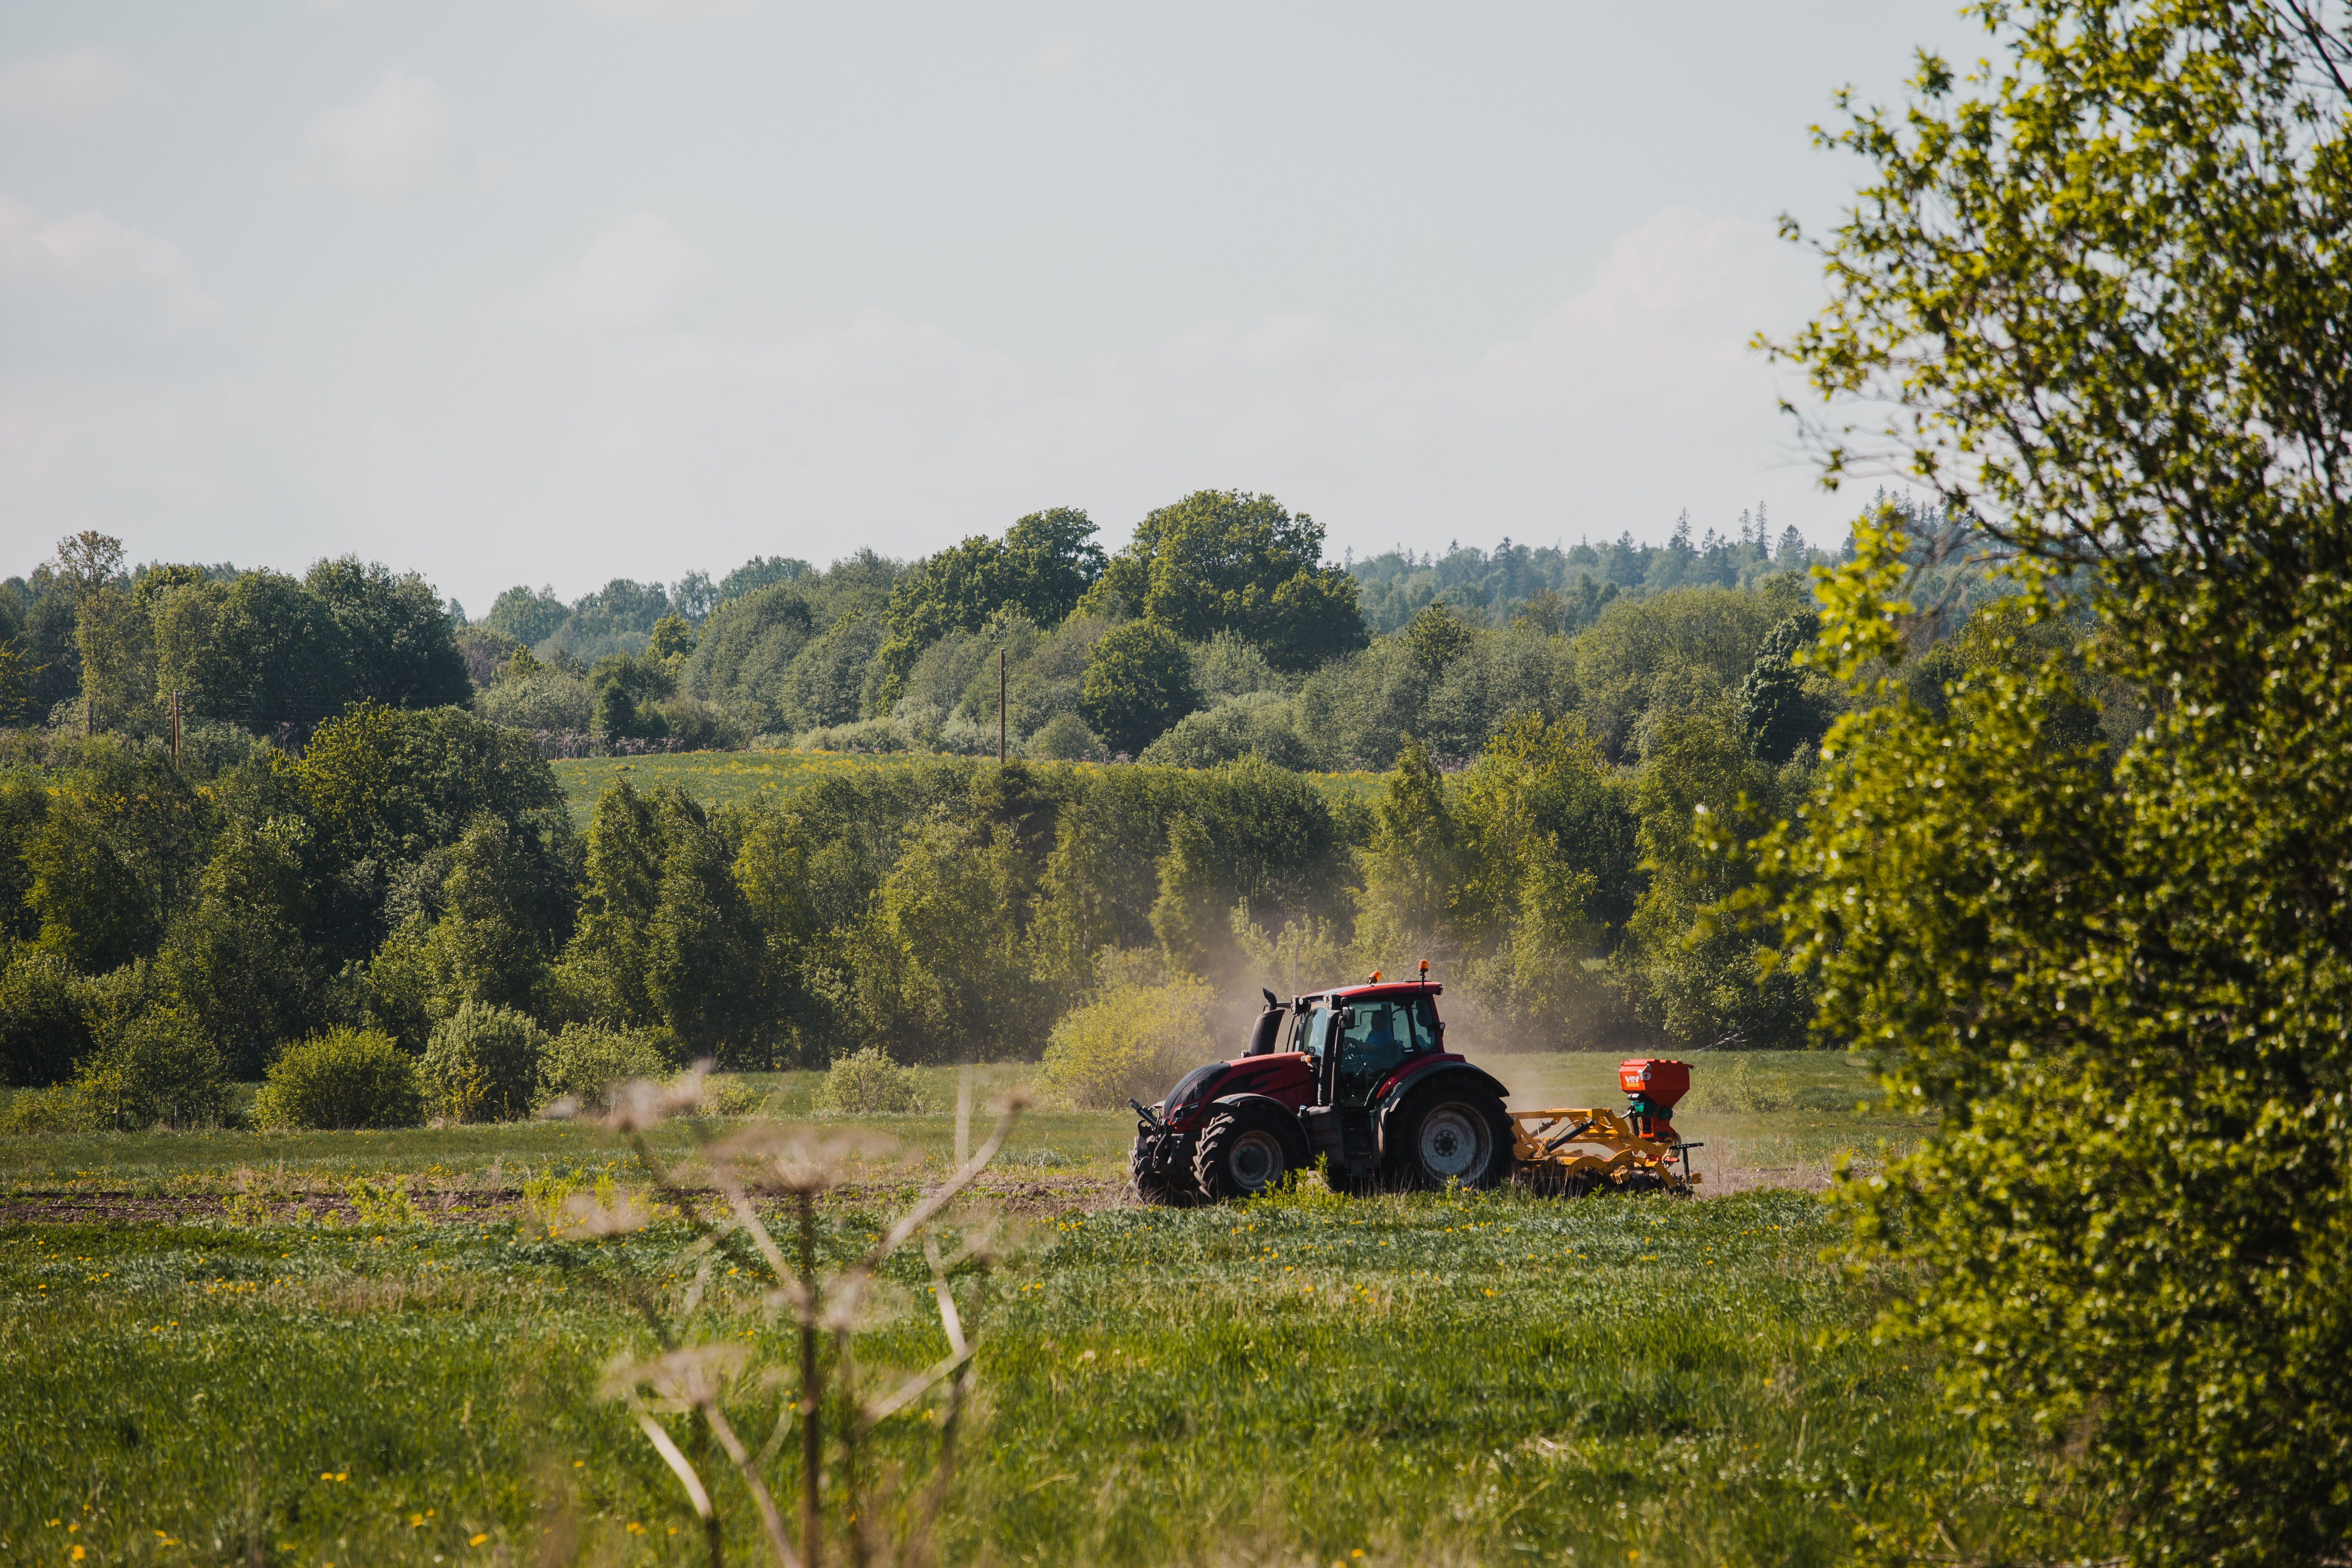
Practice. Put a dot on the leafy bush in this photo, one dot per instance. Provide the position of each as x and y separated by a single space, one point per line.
150 1062
1228 666
586 1060
344 1078
1131 1042
724 1094
867 735
962 737
1259 722
1065 738
694 725
543 699
43 1030
158 1069
60 1108
482 1063
868 1084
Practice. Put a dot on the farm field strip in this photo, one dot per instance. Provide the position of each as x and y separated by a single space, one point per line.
1298 1376
367 1347
1805 1122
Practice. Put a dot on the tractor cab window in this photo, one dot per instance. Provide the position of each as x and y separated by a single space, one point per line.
1426 1036
1312 1029
1382 1035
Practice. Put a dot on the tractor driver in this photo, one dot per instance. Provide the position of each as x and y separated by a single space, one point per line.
1370 1051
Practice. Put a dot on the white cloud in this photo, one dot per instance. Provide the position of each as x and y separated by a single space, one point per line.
631 275
76 89
90 264
388 143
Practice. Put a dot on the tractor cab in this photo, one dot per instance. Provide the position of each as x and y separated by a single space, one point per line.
1359 1039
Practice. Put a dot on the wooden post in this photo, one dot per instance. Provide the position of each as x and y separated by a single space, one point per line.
1000 708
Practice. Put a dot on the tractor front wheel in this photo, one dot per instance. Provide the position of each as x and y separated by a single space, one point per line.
1244 1150
1170 1188
1460 1136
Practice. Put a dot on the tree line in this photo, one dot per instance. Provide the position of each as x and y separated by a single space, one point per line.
1220 631
1541 836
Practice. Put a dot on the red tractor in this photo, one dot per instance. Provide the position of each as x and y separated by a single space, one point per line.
1360 1078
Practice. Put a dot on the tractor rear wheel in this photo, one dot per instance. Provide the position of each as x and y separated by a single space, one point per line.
1452 1135
1245 1149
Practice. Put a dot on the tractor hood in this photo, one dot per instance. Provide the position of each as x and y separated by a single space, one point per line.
1192 1090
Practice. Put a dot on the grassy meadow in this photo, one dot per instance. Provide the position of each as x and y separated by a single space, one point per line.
716 777
215 1349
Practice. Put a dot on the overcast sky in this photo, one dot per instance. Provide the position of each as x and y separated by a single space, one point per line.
556 291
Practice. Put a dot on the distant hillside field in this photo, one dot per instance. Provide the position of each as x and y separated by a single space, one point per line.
715 777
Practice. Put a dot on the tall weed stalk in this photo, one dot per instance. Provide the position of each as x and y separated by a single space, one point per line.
885 1518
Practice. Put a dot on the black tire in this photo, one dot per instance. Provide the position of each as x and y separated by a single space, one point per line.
1167 1189
1449 1134
1245 1149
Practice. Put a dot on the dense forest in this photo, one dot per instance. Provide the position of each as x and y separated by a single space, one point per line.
355 822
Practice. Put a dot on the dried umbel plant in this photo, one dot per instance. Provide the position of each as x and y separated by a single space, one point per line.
698 1380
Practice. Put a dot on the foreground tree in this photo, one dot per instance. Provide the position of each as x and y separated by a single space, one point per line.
2103 285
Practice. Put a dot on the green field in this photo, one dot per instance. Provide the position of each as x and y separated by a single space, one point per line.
1788 1126
721 776
195 1330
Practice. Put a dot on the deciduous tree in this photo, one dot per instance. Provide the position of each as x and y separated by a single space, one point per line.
2101 285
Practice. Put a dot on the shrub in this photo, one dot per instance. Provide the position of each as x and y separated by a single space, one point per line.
1259 723
543 699
60 1108
962 737
157 1068
344 1078
724 1094
149 1061
587 1059
868 1084
866 735
695 725
482 1063
1131 1042
1065 738
43 1030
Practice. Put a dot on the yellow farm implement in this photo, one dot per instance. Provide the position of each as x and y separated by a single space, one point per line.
1575 1151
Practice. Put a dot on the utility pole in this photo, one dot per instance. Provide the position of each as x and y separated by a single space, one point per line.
175 725
1000 708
